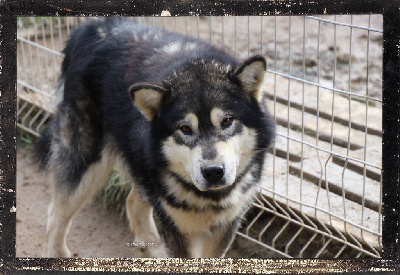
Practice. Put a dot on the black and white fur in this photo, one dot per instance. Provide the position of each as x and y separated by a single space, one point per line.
179 117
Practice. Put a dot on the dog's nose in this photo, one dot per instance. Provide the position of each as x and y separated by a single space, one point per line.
212 173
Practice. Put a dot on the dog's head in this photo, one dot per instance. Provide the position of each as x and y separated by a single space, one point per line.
207 123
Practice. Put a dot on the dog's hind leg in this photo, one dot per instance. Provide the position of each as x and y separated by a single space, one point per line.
65 204
140 216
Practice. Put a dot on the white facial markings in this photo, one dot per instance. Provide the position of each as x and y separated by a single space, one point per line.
236 197
185 162
178 156
194 168
223 121
226 153
234 153
244 144
192 120
216 116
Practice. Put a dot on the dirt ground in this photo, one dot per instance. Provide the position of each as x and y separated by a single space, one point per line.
98 232
95 232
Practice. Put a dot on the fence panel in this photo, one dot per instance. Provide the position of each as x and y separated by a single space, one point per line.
321 187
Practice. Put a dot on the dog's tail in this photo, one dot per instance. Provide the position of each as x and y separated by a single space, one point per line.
41 149
82 41
58 94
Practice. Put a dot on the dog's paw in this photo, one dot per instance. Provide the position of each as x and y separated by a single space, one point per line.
62 252
154 252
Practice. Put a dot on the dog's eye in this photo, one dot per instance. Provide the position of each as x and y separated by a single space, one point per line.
186 129
227 122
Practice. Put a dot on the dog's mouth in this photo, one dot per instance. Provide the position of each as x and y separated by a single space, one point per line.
215 187
207 186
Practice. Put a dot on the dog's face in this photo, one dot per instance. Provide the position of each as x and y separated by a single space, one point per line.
206 121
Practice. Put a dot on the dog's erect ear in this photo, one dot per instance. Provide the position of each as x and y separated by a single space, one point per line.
147 98
250 75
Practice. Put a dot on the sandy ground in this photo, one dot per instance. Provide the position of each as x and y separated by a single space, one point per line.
98 232
95 232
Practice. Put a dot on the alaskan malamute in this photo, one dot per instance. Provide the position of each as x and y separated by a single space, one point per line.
181 118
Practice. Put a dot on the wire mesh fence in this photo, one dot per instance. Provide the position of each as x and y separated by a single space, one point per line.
321 187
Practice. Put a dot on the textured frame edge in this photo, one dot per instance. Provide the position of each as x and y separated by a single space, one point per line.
390 123
391 133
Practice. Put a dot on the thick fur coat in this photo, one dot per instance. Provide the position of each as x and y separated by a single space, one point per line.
181 118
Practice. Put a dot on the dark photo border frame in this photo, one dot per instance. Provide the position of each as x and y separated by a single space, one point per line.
390 9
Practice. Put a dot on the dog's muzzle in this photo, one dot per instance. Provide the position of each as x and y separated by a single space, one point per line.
214 175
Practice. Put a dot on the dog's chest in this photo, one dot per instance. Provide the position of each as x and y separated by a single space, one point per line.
191 221
205 215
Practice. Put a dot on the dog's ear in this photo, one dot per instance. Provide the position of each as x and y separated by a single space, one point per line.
250 75
147 98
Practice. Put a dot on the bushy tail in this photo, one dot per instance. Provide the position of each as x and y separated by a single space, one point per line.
41 149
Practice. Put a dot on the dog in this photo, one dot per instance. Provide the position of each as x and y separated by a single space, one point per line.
180 118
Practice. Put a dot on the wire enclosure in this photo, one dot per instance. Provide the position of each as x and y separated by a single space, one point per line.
321 193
